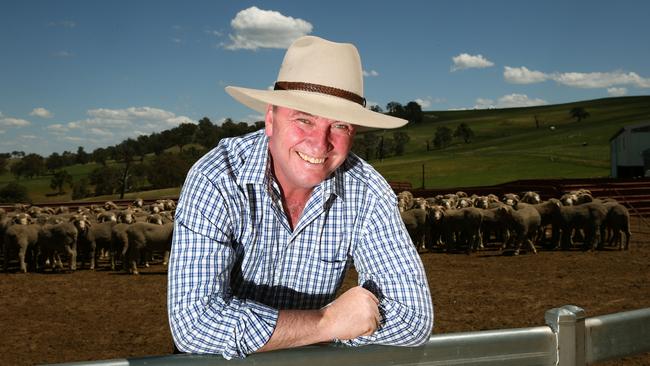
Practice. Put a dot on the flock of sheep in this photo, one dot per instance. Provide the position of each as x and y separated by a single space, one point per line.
38 237
456 221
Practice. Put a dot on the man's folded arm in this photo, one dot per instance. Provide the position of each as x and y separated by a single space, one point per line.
389 265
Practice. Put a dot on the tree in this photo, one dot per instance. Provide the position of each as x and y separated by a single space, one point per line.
106 180
413 112
183 134
59 179
80 189
579 113
100 155
29 166
82 156
14 193
4 161
401 139
376 108
371 142
54 162
465 132
442 138
395 109
173 175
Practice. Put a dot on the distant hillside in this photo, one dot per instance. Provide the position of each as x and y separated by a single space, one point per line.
509 144
516 143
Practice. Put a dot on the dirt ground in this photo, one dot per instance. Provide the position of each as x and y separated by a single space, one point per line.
85 315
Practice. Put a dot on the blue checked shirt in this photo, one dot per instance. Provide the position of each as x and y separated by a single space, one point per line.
235 260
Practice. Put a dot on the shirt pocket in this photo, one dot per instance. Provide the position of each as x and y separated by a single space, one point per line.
334 249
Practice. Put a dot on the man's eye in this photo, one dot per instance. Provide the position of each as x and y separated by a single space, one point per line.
304 121
341 126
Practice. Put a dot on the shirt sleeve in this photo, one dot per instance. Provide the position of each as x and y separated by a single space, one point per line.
204 316
389 266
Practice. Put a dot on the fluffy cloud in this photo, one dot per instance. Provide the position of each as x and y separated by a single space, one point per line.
616 92
256 28
509 101
467 61
426 102
13 122
110 126
590 80
601 79
521 75
370 73
41 112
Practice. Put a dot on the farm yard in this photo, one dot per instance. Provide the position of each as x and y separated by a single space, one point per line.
64 316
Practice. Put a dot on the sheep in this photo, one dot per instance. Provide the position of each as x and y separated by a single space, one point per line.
434 230
20 240
463 226
147 237
510 199
56 239
522 221
415 221
530 197
618 221
589 217
548 212
404 201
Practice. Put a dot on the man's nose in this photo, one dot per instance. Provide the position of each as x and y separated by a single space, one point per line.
320 140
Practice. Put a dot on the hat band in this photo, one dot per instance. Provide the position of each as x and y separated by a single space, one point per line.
323 89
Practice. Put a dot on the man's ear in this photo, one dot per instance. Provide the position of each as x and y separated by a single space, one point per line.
268 121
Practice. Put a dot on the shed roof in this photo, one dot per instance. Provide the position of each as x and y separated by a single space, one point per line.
639 127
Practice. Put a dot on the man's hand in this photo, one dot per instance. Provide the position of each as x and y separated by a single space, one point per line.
353 314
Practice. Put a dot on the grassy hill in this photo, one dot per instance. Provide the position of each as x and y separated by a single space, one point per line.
508 145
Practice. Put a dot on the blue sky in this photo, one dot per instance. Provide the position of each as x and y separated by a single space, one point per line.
92 73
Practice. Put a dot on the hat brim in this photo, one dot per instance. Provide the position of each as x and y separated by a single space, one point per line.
322 105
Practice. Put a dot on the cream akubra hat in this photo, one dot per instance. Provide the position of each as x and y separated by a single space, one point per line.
322 78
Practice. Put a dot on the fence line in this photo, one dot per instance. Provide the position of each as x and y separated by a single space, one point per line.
568 339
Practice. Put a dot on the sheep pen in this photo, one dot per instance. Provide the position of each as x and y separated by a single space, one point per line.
92 315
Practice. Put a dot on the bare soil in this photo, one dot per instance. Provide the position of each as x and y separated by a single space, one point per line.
95 315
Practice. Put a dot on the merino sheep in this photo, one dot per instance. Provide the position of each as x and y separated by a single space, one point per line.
617 222
463 228
146 237
522 221
20 240
415 221
54 240
589 217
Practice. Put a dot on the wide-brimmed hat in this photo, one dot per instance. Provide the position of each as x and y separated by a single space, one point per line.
322 78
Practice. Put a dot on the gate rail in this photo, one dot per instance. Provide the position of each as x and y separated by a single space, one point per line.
568 339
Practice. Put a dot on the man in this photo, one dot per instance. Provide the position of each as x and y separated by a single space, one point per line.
268 223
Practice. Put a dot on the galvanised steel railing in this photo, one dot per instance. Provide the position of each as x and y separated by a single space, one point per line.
568 339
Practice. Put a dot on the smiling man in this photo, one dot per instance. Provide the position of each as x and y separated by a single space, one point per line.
268 224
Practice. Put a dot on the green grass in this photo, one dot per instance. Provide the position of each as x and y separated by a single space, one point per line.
507 146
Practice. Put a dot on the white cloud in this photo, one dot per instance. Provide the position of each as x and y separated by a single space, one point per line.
41 112
29 137
131 113
100 132
591 80
617 92
484 103
428 101
521 75
594 80
509 101
370 73
467 61
105 127
256 28
13 122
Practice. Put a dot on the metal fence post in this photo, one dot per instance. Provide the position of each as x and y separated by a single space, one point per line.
568 324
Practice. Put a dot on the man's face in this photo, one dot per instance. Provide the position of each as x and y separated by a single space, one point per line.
305 148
